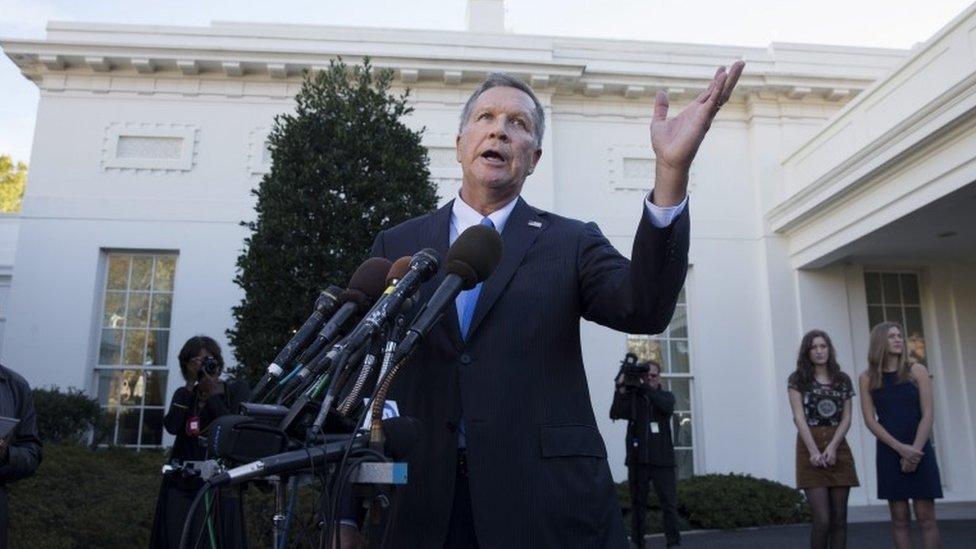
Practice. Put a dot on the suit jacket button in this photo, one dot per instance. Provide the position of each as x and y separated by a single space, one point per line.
465 359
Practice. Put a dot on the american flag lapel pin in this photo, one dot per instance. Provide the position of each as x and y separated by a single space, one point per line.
536 224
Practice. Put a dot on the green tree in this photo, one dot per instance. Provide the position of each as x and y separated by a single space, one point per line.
344 166
13 180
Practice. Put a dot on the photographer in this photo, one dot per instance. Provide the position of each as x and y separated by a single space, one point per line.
204 398
650 449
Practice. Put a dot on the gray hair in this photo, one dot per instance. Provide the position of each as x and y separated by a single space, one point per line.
501 79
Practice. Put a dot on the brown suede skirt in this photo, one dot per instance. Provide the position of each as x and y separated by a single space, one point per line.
841 473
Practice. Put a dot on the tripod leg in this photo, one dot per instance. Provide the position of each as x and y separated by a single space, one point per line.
638 480
279 517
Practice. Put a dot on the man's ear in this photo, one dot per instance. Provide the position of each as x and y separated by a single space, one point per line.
535 160
457 147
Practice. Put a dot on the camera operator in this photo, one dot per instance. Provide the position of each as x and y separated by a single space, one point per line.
204 398
648 407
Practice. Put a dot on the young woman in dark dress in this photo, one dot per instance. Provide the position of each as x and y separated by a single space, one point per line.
204 398
896 400
820 396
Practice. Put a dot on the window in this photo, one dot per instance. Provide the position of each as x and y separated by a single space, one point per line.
895 297
671 350
132 364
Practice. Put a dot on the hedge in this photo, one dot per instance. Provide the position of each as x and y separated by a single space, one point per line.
724 502
105 498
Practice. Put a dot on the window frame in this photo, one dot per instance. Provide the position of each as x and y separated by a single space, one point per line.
96 369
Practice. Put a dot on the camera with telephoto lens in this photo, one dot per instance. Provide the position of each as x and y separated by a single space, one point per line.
632 374
209 367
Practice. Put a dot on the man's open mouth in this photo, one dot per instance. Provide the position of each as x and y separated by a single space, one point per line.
493 155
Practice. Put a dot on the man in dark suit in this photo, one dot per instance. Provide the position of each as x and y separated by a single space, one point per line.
20 450
650 454
511 455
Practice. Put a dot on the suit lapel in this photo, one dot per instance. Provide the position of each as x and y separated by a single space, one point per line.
523 226
438 231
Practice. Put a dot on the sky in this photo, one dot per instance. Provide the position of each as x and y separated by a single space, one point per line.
874 23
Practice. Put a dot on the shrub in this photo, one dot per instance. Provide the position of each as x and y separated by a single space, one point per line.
725 501
69 416
106 498
85 498
737 501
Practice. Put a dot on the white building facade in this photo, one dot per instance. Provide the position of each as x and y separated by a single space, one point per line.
835 190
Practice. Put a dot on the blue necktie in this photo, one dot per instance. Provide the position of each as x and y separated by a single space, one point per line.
467 301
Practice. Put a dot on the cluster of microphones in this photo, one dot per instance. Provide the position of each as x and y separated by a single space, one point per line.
354 342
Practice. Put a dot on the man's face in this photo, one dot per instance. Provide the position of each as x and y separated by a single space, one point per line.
497 148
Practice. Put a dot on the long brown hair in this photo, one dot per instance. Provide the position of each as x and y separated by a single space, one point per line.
878 355
803 377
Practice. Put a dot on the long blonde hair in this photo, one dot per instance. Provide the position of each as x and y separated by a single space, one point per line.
878 355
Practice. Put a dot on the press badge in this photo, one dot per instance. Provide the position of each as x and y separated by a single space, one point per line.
655 428
193 426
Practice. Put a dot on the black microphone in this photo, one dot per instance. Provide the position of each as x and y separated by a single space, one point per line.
402 434
325 306
365 285
326 353
470 260
423 265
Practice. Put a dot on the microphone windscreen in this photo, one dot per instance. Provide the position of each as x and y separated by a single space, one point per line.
370 277
400 267
402 434
475 254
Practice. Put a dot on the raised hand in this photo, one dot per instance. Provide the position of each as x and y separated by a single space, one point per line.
676 140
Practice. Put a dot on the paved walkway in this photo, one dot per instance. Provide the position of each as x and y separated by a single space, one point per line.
868 528
956 534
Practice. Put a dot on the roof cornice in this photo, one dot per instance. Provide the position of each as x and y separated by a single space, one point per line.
587 66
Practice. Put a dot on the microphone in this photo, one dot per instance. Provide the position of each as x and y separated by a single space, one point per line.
325 306
423 265
365 285
402 434
470 260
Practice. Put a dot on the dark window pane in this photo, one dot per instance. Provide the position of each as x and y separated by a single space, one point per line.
118 272
679 322
152 427
165 270
142 267
161 307
872 286
686 463
114 313
681 387
135 348
893 314
128 426
914 335
679 357
137 313
110 348
156 347
109 416
109 386
681 429
875 316
909 288
890 289
155 387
